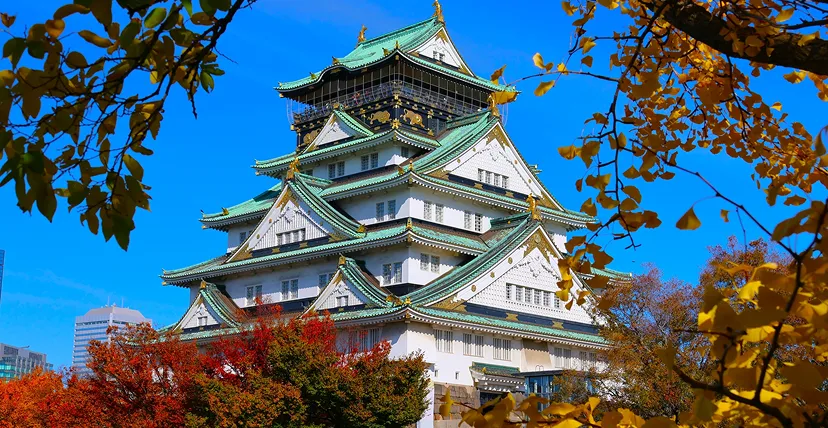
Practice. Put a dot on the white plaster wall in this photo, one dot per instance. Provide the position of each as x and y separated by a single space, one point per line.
233 237
193 293
558 234
452 57
363 208
389 154
454 208
271 282
201 310
448 260
342 288
387 255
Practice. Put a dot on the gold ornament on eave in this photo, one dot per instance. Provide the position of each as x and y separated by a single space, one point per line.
361 37
438 11
533 207
293 168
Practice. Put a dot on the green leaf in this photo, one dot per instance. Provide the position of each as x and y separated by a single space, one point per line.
223 5
95 39
76 60
155 17
207 81
129 33
102 10
201 18
188 6
13 49
121 226
207 7
47 203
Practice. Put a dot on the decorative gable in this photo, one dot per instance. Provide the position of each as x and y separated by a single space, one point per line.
524 281
288 215
210 307
339 294
439 47
494 160
339 127
350 286
199 316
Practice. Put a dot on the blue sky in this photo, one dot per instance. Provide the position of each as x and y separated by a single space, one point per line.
57 271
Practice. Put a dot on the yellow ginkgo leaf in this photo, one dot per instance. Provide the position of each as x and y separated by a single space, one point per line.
587 61
538 60
724 213
445 408
497 74
784 15
544 87
587 44
688 221
777 106
568 8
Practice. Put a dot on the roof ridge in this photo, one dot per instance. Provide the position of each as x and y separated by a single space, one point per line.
376 39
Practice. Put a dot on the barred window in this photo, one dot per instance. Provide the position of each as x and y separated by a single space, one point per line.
518 293
392 209
325 278
427 209
398 272
546 298
502 349
467 220
340 169
439 213
386 274
537 297
478 222
374 160
332 170
254 293
508 291
444 339
505 182
557 302
381 211
368 339
341 301
424 261
435 264
480 175
472 345
364 162
404 152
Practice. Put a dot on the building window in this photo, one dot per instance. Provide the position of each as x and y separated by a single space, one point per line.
374 160
438 211
290 289
336 169
557 302
481 175
392 273
488 177
546 298
527 295
404 152
435 264
567 358
424 261
325 278
478 222
254 293
502 349
559 358
583 360
242 237
472 345
518 293
444 339
467 219
368 339
285 238
537 297
505 182
364 162
392 209
381 211
439 56
497 180
341 301
427 209
202 321
508 291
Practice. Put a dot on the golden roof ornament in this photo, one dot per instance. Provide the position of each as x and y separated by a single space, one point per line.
361 228
411 166
408 224
293 168
493 106
341 260
396 44
361 37
438 11
224 211
335 61
203 284
533 207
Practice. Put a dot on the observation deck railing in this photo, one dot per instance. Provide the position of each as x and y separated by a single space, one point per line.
300 112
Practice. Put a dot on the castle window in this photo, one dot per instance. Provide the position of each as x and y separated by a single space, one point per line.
424 261
439 212
336 169
341 301
488 177
444 339
439 56
392 209
518 293
374 160
325 278
290 289
502 349
364 162
497 180
557 302
202 321
481 175
428 207
472 345
546 298
527 295
254 293
537 297
404 152
340 169
478 222
435 264
381 211
368 339
242 236
505 182
508 291
392 273
467 219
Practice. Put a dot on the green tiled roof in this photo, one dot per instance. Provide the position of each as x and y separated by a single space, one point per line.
374 50
396 233
311 196
513 325
364 313
223 305
256 204
495 369
356 277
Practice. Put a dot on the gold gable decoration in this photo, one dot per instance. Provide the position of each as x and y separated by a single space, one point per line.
341 260
533 208
537 240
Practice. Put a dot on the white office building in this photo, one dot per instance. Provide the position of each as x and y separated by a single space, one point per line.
93 326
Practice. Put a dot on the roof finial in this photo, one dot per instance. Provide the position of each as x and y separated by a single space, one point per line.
533 207
224 211
203 284
293 168
493 105
335 61
438 11
341 260
408 224
361 228
361 37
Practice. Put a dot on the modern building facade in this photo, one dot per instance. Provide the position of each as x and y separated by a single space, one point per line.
17 361
408 213
93 326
